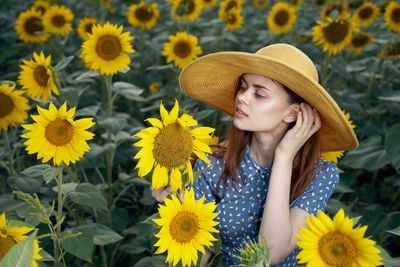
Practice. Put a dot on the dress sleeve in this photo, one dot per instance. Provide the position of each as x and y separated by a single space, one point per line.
320 189
205 185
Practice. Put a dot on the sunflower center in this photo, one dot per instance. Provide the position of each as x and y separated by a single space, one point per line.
366 13
33 25
88 27
336 31
231 5
108 47
231 19
59 132
41 9
337 249
40 75
396 15
359 40
281 18
6 243
173 146
144 14
189 5
58 21
6 105
184 227
182 49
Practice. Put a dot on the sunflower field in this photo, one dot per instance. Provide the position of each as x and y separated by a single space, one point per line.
91 115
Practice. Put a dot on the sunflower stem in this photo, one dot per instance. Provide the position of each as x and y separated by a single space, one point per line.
59 212
10 155
372 77
110 156
109 95
324 71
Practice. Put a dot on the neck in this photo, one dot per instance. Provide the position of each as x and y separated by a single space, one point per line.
262 148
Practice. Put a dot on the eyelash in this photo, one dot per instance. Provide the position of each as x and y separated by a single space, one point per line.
257 95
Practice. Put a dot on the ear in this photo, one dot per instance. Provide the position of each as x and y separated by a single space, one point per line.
291 113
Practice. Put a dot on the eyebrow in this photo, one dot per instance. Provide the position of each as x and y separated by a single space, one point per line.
255 85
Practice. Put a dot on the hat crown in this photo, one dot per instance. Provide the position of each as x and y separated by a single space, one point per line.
291 56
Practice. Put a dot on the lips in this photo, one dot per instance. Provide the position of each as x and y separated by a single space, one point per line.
240 113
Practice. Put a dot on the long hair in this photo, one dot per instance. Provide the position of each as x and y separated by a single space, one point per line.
305 163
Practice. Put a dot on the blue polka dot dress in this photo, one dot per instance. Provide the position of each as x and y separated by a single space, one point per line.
240 211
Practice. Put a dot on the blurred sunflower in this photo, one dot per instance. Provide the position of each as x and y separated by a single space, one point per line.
208 3
260 3
302 37
296 3
37 78
331 7
329 242
187 10
226 5
185 228
40 6
55 134
169 145
85 27
13 106
106 49
107 4
365 14
392 16
359 42
182 49
143 15
154 87
57 20
391 51
233 20
281 18
319 3
333 156
29 27
10 236
334 34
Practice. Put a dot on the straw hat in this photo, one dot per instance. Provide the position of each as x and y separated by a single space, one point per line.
213 79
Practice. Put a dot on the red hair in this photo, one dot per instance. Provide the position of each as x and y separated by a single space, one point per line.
305 162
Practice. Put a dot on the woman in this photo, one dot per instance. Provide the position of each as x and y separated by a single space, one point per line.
268 177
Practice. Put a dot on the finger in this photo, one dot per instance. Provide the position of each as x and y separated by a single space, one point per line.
317 121
306 119
309 119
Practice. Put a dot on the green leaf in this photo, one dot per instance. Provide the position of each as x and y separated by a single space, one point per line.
395 231
97 151
88 111
388 261
395 96
21 254
149 220
64 63
85 77
25 184
88 195
102 235
392 145
155 261
36 171
81 245
127 89
370 155
113 124
50 173
134 246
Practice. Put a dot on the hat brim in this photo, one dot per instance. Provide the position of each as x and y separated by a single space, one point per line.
213 79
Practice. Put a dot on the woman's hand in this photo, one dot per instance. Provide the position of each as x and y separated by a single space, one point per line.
307 123
161 193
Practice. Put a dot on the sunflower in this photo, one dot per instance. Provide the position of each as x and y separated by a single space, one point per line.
85 27
187 10
334 34
40 6
260 3
208 3
302 37
36 77
331 7
13 106
185 228
359 42
355 4
226 5
106 49
55 134
154 87
107 4
143 15
57 20
181 49
391 51
334 242
29 27
333 156
392 16
281 18
10 236
365 14
233 20
169 145
296 3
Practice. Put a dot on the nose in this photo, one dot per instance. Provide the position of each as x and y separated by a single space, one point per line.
243 97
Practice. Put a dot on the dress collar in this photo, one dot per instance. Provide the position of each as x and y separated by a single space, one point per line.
256 167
